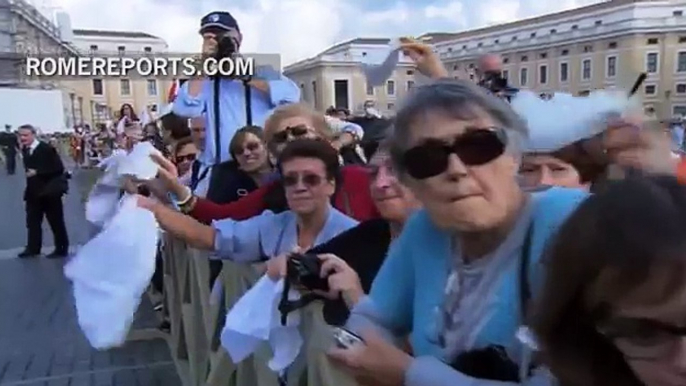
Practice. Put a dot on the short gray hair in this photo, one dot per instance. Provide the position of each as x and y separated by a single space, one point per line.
460 99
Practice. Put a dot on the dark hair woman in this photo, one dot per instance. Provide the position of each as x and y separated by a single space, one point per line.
613 306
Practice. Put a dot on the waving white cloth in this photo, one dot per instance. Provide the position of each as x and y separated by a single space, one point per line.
255 319
565 119
103 200
111 272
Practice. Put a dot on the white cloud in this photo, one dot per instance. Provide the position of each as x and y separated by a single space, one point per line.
298 29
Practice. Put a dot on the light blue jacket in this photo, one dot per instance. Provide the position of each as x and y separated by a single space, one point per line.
269 234
410 287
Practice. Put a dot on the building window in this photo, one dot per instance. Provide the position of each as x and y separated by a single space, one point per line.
98 87
314 94
533 34
612 45
93 49
681 88
651 62
682 39
506 74
391 106
370 89
564 72
611 69
543 55
390 87
584 93
681 62
586 69
652 41
409 72
575 27
147 49
553 31
543 74
564 52
523 76
679 110
152 87
506 60
480 44
650 89
125 87
121 50
678 13
514 38
588 49
525 58
410 85
598 22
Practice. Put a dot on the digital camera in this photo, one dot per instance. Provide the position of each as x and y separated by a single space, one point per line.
494 82
226 47
345 339
304 270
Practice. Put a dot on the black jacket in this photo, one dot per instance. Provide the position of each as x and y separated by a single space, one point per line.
364 249
8 143
50 179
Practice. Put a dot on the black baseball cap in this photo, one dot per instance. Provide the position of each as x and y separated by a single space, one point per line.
218 20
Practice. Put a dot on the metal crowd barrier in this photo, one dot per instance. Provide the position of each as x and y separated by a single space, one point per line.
196 325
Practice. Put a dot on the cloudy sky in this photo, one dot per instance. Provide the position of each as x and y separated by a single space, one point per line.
299 29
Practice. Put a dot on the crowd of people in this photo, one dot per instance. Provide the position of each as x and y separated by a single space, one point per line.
454 248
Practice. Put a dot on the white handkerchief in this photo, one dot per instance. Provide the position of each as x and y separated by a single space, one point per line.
255 320
103 200
565 119
111 272
377 74
138 162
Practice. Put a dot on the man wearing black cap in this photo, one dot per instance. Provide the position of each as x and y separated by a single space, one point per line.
241 102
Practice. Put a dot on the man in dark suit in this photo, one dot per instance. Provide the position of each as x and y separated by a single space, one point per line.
46 183
9 147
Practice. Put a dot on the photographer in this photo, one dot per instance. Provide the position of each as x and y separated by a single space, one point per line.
241 102
491 77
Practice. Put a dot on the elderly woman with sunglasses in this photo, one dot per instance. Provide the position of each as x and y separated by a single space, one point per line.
460 276
286 123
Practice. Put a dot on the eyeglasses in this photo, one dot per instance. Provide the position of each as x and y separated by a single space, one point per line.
643 338
310 180
293 131
475 147
250 146
187 157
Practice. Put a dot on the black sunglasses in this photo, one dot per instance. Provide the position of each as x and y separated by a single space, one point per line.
308 179
293 131
475 147
188 157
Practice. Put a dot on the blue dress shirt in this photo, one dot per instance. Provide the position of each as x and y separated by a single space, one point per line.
232 105
270 234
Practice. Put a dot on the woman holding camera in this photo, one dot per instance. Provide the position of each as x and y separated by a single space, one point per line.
351 260
308 168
